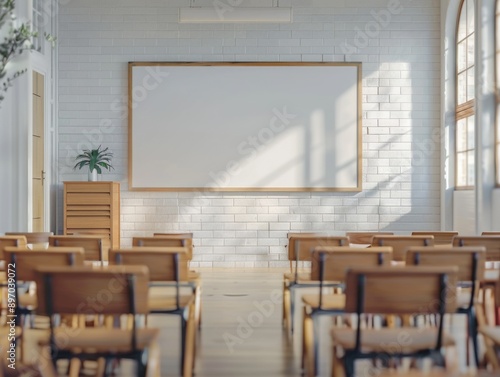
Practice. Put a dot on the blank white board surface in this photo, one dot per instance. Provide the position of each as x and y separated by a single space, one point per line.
245 126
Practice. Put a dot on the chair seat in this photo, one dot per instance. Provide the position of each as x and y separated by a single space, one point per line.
383 340
329 302
302 276
158 302
93 339
193 275
492 332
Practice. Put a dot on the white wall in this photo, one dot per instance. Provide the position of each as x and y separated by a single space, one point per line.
401 116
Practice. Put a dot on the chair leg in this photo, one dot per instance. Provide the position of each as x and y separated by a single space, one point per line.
292 308
308 345
183 339
190 344
75 365
315 330
473 334
349 365
197 300
153 361
490 353
141 365
286 308
337 365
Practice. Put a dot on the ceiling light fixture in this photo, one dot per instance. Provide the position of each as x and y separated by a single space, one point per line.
234 14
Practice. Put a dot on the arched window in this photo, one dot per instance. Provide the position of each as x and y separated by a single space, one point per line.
464 137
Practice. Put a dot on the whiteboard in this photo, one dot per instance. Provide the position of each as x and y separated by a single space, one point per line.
245 126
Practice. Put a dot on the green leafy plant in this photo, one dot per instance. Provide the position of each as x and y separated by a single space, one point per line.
15 42
95 159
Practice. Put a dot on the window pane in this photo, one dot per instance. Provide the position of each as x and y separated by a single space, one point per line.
470 168
461 56
462 24
461 135
470 16
461 88
470 132
471 89
470 51
461 169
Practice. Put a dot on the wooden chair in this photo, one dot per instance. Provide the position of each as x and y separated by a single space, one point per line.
329 264
92 245
38 240
187 240
11 241
26 261
364 238
300 248
491 333
440 237
491 243
177 240
167 267
471 266
400 291
42 367
115 290
400 244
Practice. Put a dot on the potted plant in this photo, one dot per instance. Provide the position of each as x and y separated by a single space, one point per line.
96 160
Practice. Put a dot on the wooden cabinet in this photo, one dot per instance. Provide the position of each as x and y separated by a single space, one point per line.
93 208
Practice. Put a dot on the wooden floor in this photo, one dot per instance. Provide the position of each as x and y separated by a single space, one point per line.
241 332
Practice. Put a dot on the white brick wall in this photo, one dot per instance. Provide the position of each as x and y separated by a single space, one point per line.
401 101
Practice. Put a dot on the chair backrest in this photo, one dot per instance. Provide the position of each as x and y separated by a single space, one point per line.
469 260
27 261
92 245
331 263
90 291
364 238
413 290
33 238
440 237
490 234
11 241
163 263
174 240
300 246
401 290
400 244
491 243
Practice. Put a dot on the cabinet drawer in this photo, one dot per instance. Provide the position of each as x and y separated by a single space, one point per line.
88 222
84 187
85 207
94 198
82 212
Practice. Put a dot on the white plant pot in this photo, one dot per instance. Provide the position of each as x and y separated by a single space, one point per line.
93 176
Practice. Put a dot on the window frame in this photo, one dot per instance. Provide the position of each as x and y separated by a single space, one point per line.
467 108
